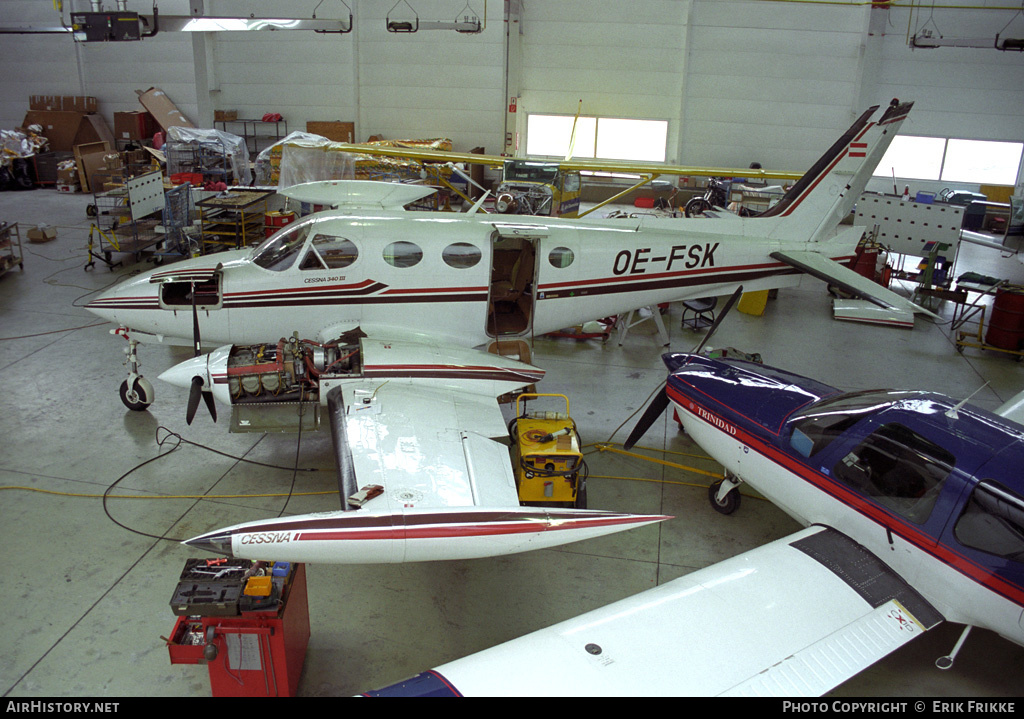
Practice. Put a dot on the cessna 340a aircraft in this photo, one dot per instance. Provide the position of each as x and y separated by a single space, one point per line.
913 508
382 306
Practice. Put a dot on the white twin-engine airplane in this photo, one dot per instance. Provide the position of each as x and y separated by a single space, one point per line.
913 511
382 308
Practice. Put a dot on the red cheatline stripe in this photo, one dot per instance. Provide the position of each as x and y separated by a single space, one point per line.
455 530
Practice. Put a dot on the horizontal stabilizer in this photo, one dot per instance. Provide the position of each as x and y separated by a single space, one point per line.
823 268
353 194
413 535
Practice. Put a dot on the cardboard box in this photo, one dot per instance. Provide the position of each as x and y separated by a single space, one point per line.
45 102
137 125
225 115
68 176
42 233
64 130
83 104
333 130
91 160
162 109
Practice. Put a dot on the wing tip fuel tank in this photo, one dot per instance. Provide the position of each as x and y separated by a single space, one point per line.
413 536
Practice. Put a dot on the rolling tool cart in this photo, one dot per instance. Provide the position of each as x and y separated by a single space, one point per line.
181 237
125 219
247 621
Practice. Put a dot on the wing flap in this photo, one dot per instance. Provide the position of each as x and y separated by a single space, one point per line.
817 265
776 620
411 440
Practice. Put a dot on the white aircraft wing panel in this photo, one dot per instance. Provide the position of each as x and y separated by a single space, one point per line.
424 446
796 617
823 268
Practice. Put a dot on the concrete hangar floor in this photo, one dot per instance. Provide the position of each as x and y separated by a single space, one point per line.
87 601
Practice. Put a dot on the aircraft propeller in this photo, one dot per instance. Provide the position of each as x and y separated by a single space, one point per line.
661 401
196 390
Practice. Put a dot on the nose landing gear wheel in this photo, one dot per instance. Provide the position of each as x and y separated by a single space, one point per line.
138 396
729 504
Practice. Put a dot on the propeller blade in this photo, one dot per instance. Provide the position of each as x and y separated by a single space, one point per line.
194 392
195 321
718 320
650 416
210 404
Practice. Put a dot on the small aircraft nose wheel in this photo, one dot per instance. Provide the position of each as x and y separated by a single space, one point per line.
138 395
728 504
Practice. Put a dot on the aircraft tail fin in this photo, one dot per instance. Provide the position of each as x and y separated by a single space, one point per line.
828 191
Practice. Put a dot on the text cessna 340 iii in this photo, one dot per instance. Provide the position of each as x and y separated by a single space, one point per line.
383 307
913 508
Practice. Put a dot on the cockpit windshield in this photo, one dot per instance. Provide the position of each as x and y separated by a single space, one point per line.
816 426
280 252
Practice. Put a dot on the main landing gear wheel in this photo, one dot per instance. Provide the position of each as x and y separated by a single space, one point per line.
138 396
727 505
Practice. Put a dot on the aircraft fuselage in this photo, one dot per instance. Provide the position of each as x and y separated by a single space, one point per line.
922 489
464 279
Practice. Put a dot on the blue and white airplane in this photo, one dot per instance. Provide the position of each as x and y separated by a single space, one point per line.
913 508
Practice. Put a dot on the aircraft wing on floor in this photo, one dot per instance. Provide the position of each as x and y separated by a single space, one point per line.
424 471
796 617
820 266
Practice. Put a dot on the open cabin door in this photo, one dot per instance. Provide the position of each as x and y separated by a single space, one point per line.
510 301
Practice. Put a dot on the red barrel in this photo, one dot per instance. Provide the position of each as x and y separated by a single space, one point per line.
274 221
1006 329
865 263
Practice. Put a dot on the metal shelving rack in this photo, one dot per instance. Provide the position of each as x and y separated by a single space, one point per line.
10 248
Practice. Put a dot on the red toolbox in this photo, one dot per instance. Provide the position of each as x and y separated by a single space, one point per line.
257 652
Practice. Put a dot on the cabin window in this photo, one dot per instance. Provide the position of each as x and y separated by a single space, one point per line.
280 252
461 255
561 257
402 254
993 521
336 253
815 427
898 468
311 261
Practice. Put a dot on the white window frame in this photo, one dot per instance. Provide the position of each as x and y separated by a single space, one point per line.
590 143
951 159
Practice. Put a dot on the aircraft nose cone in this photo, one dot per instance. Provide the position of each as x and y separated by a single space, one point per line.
180 375
218 543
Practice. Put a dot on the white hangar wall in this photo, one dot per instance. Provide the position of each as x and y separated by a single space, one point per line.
736 80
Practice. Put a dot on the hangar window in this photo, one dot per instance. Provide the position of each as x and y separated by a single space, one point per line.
609 138
993 521
899 469
461 255
402 254
951 160
561 257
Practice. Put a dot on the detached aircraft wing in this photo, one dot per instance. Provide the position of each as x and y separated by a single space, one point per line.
423 472
796 617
